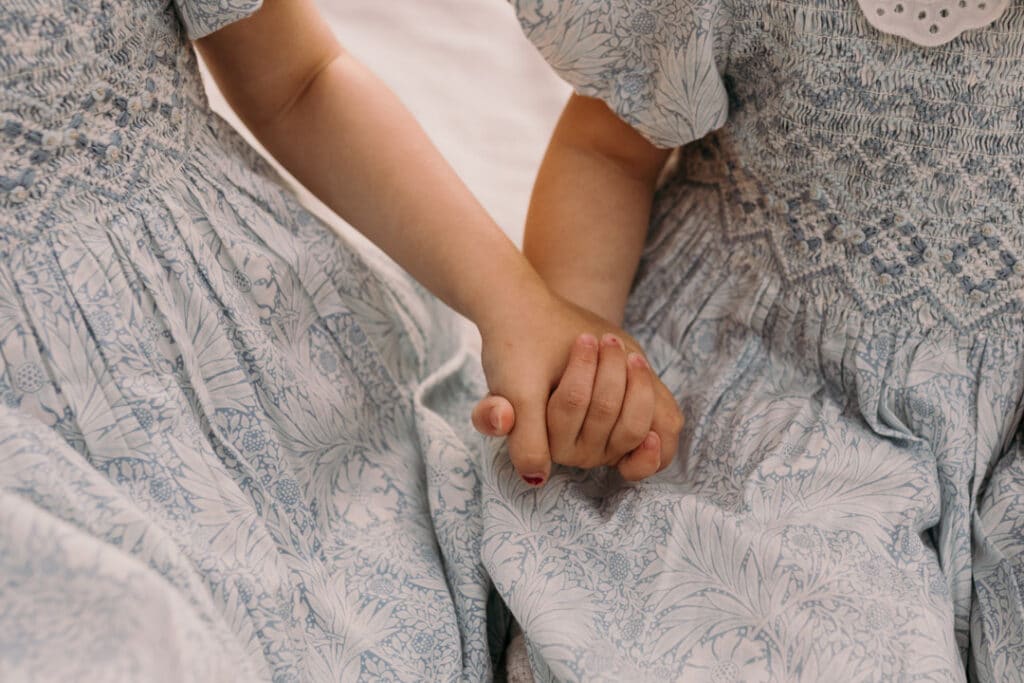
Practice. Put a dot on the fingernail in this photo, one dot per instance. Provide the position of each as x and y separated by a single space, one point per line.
651 441
612 340
636 360
588 340
496 419
533 479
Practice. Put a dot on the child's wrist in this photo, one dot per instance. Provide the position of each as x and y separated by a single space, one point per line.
592 297
505 303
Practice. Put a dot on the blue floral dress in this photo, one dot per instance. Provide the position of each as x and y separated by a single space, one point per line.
218 460
833 288
228 451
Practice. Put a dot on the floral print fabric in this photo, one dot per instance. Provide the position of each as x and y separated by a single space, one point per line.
832 289
234 445
219 459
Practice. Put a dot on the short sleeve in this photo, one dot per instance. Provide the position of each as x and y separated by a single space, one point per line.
203 17
656 63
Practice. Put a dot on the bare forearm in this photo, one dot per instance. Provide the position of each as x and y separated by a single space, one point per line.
585 229
343 134
590 208
373 165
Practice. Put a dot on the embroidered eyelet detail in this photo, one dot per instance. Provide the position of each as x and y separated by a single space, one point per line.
931 22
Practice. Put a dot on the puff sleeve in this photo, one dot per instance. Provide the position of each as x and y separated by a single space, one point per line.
657 63
203 17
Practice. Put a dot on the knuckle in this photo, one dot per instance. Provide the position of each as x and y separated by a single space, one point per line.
629 436
574 399
604 408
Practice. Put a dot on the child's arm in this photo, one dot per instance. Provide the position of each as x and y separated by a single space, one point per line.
348 139
591 207
345 136
588 220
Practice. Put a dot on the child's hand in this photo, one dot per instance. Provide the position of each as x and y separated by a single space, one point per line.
607 407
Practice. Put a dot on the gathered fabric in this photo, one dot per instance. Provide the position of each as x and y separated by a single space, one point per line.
832 289
221 456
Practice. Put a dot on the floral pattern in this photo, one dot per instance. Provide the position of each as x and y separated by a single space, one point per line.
832 289
220 458
234 445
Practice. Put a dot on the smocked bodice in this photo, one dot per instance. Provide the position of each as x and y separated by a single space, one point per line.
873 173
98 100
891 170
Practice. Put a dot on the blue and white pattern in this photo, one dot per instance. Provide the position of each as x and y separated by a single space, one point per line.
222 452
832 288
217 459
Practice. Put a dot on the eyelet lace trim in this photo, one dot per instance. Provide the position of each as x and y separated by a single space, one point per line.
931 22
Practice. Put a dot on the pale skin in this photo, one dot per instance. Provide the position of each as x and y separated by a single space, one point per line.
348 139
585 232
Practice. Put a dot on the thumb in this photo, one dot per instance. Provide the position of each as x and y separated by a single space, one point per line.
644 461
494 416
528 442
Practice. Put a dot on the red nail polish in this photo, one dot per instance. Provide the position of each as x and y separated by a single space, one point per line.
612 340
533 480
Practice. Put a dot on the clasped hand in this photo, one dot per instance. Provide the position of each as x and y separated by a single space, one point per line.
603 406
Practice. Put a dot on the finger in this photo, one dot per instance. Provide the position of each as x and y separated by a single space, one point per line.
644 461
567 407
668 423
528 442
494 416
637 410
605 403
